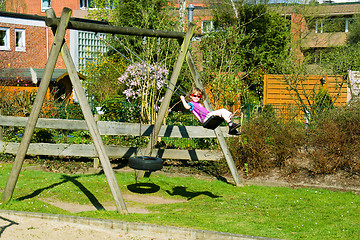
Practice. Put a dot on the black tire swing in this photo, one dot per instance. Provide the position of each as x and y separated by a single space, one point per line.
146 163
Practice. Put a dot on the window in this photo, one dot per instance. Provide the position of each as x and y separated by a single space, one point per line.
4 38
86 4
20 40
90 46
328 25
207 26
45 4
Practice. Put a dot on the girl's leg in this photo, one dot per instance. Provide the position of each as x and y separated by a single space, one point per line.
225 114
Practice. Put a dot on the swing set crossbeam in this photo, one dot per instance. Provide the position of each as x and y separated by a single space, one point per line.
105 27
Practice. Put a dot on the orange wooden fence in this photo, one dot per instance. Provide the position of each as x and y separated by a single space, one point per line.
277 91
14 90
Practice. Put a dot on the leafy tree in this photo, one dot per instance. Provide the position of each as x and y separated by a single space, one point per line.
243 48
153 14
140 53
269 30
353 37
341 59
101 76
2 5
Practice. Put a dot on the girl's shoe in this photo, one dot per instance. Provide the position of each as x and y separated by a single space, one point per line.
234 132
234 126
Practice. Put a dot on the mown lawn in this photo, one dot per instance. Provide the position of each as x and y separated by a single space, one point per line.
275 212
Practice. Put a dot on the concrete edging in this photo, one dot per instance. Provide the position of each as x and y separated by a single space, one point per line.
144 229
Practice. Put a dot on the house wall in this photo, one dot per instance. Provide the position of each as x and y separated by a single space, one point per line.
34 6
38 41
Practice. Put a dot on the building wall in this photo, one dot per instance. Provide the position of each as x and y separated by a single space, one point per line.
34 6
38 38
38 42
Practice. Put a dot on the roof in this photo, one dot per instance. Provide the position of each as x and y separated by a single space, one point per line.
21 15
26 73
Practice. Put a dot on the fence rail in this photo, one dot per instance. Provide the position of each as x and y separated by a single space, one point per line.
112 128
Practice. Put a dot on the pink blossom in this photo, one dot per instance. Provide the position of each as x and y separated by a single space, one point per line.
138 77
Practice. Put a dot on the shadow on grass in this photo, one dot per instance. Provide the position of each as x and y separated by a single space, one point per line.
181 191
143 188
72 179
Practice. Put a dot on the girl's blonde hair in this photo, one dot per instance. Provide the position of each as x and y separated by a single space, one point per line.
197 90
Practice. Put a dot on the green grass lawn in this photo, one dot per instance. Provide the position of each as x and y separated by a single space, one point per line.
275 212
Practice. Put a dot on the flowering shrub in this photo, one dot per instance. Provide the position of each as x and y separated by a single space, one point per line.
143 84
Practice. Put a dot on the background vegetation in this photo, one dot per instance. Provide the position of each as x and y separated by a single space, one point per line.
240 49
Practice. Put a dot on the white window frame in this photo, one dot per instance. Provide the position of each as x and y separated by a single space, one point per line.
43 8
6 45
20 43
203 30
86 4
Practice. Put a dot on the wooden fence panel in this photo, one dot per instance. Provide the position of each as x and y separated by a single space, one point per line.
112 128
113 151
116 128
276 90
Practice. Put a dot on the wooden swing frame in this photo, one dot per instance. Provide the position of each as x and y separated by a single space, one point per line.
59 27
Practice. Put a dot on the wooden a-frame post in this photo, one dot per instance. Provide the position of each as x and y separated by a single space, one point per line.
34 114
59 44
224 147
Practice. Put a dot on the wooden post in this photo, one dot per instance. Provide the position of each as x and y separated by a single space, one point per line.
96 159
34 115
171 88
90 121
224 147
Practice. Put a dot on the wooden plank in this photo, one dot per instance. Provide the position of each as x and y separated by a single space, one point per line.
113 151
116 128
44 123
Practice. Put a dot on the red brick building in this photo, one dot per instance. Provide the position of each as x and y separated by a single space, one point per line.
23 28
26 41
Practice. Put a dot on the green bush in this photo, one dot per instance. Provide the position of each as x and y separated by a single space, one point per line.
331 141
267 144
65 111
334 140
118 109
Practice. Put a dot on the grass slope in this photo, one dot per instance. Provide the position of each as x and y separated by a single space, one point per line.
209 205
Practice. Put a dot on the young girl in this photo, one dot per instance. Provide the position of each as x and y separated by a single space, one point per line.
203 114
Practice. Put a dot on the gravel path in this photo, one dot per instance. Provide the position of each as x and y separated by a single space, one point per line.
21 228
